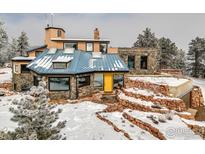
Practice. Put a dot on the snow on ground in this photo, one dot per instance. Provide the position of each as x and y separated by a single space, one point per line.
193 122
82 123
170 81
5 75
172 129
135 100
201 84
5 115
147 92
134 132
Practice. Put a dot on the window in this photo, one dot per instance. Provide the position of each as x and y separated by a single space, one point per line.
16 68
83 81
98 80
131 62
24 69
103 48
59 65
143 63
35 80
89 46
59 33
59 84
38 53
70 45
118 80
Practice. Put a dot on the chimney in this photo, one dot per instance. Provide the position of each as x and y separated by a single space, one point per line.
96 34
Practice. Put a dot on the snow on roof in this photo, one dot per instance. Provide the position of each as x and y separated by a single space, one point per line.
170 81
80 39
172 129
63 58
23 58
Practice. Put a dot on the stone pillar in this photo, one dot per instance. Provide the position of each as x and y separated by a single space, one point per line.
73 88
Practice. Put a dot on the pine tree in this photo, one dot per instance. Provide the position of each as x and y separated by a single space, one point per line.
146 40
195 57
12 49
22 43
36 117
3 44
168 53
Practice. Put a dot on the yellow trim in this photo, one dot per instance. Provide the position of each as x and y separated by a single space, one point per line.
108 82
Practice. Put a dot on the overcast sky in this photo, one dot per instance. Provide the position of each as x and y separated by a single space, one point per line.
121 29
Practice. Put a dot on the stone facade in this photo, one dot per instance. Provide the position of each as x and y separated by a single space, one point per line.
152 62
197 99
22 81
86 90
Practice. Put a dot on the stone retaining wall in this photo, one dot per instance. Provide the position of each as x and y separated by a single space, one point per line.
171 104
143 125
163 89
198 130
197 99
114 126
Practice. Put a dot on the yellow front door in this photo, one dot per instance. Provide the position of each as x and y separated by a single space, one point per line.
108 82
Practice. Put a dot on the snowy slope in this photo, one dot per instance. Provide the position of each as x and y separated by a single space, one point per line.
134 132
82 123
6 76
174 129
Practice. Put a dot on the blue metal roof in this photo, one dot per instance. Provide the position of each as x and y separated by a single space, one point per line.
80 62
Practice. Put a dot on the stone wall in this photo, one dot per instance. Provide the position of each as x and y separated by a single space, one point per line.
199 130
143 125
197 99
86 90
172 104
138 52
22 81
163 89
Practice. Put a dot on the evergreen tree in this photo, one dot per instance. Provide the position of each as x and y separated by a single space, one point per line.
3 44
35 116
195 57
12 49
22 44
168 53
180 59
146 40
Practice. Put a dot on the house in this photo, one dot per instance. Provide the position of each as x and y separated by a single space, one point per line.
71 67
140 60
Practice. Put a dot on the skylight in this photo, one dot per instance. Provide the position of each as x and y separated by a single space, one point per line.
52 50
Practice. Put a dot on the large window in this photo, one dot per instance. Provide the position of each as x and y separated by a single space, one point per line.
131 62
24 69
83 81
103 47
143 63
118 80
59 65
89 46
98 80
37 53
59 84
70 45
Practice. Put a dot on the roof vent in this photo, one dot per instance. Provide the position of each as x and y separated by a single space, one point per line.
97 55
52 50
69 50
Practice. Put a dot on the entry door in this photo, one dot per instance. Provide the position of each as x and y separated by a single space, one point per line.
108 82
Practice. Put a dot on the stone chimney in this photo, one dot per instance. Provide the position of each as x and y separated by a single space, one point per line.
96 34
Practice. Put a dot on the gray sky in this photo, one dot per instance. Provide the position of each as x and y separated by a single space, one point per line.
121 29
